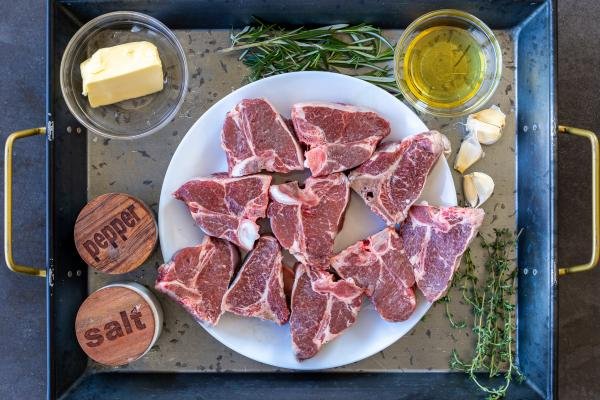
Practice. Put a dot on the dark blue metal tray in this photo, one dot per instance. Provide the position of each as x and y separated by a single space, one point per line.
534 21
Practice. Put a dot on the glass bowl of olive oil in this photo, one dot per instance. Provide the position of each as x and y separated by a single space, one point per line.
448 63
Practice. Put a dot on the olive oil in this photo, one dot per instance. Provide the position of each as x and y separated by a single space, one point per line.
444 66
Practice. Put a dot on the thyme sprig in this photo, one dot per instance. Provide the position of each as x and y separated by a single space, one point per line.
357 50
493 315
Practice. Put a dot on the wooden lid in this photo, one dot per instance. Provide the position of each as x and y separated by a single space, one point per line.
118 324
115 233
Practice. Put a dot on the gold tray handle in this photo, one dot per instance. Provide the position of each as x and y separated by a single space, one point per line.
8 255
595 200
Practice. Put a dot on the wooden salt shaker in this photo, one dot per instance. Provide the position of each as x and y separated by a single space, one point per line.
119 323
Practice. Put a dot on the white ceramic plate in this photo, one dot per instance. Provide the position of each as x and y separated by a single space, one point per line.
200 154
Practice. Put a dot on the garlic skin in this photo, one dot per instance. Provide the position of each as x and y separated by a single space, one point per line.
487 124
469 153
477 188
493 116
486 134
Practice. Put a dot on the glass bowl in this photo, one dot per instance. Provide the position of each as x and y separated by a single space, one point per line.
129 119
490 60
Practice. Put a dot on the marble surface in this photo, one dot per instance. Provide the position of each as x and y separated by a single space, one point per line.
138 167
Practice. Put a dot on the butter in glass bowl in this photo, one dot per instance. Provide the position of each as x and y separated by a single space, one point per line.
122 72
111 74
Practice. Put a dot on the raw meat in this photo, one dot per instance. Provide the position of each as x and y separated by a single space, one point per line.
394 177
379 265
340 136
321 309
257 291
226 207
255 138
434 239
306 221
197 277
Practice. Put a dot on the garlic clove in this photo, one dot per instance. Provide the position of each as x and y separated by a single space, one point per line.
493 116
487 124
469 153
477 188
469 191
486 133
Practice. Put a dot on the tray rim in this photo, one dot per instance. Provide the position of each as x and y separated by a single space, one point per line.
551 4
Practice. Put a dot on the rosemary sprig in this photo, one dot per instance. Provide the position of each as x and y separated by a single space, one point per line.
357 50
493 312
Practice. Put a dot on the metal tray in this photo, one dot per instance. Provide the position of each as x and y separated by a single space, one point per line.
188 363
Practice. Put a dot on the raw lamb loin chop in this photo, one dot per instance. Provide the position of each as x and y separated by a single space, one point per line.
197 277
340 136
434 239
321 309
379 265
226 207
257 291
306 221
255 138
394 177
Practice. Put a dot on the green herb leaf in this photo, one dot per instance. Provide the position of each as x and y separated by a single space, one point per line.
493 315
356 50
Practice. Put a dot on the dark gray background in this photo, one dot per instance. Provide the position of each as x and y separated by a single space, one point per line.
22 80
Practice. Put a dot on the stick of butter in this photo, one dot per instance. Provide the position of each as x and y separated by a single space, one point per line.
122 72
